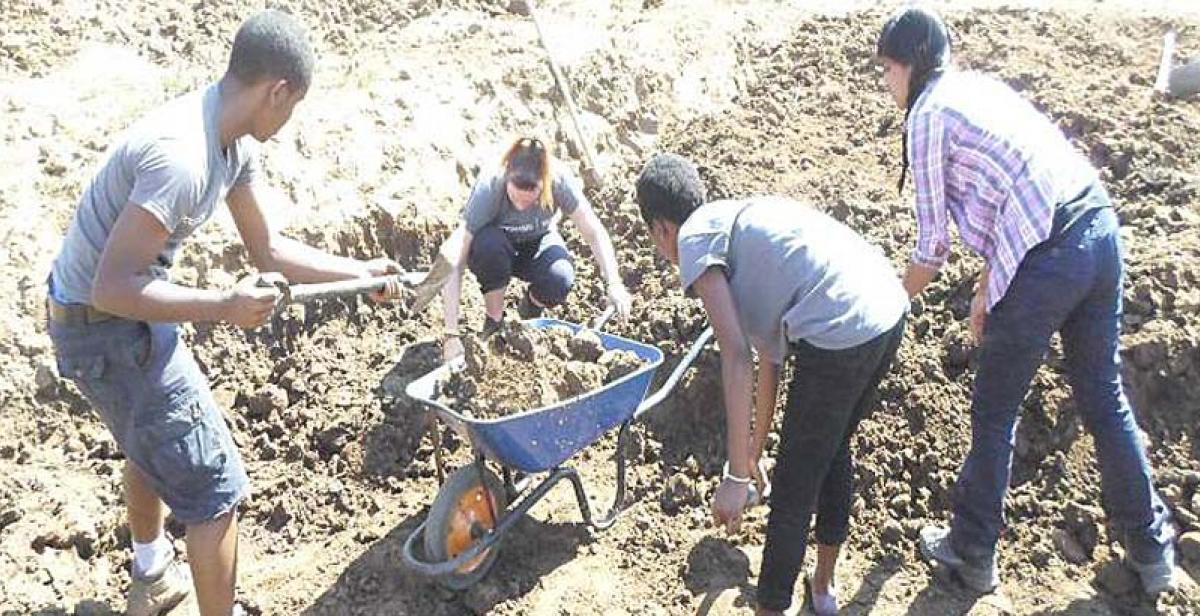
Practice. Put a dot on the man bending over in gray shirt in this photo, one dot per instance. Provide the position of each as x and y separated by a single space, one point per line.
784 280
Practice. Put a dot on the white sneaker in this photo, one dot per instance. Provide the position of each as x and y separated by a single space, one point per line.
152 596
823 604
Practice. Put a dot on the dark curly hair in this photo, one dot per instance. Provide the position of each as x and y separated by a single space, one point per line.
271 45
669 188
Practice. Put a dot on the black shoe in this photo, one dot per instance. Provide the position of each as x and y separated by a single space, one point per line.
526 309
490 327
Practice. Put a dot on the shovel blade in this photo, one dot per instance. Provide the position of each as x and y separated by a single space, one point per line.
431 284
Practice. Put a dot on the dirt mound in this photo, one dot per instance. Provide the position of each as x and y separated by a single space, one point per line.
409 101
521 368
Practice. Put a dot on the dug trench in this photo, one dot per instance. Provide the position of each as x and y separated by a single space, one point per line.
343 470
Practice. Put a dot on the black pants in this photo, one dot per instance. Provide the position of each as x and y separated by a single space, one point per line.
543 262
830 393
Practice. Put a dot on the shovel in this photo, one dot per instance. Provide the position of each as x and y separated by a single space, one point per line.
425 286
431 284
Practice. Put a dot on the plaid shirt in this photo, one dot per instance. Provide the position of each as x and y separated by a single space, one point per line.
987 158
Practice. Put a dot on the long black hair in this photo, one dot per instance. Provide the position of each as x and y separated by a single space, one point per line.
918 38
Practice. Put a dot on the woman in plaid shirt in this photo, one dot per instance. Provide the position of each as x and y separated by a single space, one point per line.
1033 207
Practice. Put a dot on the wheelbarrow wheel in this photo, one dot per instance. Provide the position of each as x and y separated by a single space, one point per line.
460 516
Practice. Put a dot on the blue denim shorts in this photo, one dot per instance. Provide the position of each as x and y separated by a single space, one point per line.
147 388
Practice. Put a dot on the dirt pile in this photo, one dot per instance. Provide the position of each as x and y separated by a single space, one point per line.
521 368
409 101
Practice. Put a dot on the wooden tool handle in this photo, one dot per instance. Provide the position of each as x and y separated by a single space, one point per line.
342 288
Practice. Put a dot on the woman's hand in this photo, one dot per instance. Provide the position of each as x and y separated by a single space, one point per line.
452 348
620 299
979 306
729 501
978 317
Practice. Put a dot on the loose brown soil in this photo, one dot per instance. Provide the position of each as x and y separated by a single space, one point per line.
409 100
521 368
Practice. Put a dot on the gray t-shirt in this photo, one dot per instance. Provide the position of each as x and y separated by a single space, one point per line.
794 273
169 163
489 205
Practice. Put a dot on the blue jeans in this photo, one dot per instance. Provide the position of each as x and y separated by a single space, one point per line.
1071 283
544 262
150 393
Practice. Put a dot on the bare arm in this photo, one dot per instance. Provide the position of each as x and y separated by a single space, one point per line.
125 287
454 250
766 391
979 304
736 366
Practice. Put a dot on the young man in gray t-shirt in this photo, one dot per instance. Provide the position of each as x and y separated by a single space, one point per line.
784 280
114 314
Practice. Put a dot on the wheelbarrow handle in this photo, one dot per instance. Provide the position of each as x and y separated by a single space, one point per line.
603 318
677 374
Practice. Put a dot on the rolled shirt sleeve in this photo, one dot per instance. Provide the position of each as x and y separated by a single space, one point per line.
567 192
251 169
484 203
163 186
700 251
928 155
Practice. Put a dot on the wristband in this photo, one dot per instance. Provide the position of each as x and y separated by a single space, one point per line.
727 476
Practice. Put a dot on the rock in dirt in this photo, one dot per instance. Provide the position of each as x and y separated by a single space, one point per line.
225 396
1116 578
1083 523
714 565
55 538
331 441
892 533
268 401
579 378
279 517
1186 519
1189 546
1069 547
619 363
45 377
680 492
9 516
586 346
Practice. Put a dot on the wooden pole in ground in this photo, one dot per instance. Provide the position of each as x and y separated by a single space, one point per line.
1176 81
1164 63
591 172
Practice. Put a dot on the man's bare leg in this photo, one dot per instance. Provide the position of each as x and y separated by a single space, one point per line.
212 553
827 556
143 507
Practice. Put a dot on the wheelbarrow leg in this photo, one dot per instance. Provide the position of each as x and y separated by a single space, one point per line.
618 505
435 427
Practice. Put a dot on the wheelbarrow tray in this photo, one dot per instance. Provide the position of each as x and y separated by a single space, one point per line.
542 438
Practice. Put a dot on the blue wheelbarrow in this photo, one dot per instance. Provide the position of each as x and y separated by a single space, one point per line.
459 538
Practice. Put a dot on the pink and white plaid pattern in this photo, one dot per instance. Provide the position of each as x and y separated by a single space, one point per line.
996 165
